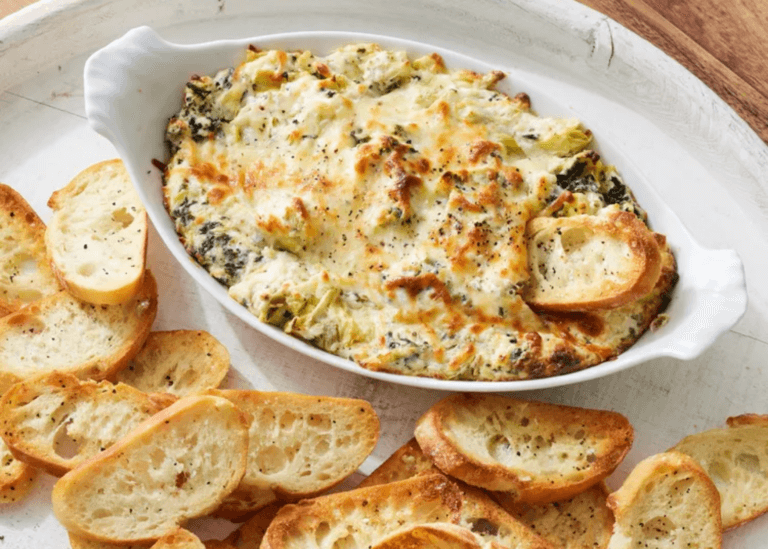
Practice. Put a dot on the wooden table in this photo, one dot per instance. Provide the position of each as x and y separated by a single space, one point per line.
724 44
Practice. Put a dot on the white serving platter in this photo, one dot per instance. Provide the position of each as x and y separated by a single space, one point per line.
701 159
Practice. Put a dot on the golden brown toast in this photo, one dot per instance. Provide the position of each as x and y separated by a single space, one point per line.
177 465
61 333
667 502
83 418
25 274
736 458
365 515
180 362
300 446
97 237
588 262
540 452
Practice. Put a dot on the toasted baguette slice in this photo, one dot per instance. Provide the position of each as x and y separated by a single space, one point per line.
407 461
77 542
175 539
736 459
179 539
360 517
494 526
97 237
251 533
302 445
179 362
478 512
540 452
61 333
666 502
588 262
582 522
426 536
16 477
81 418
747 419
25 274
178 464
219 544
241 504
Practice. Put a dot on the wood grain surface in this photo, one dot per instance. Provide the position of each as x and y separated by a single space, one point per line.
7 7
725 44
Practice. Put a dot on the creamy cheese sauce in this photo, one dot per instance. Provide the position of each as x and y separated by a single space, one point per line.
376 205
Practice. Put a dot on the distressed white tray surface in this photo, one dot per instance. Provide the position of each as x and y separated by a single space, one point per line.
700 158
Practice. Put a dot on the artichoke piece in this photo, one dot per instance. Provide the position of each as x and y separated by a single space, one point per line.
510 144
568 142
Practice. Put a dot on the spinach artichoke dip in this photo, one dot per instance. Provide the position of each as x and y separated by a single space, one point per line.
375 206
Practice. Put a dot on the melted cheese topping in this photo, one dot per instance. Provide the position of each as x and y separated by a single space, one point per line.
376 205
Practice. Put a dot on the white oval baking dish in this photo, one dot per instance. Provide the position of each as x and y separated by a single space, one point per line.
135 84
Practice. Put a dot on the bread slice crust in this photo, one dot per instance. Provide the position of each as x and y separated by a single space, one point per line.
176 539
179 539
176 465
242 503
429 536
587 262
86 417
667 501
406 462
97 237
38 338
736 458
16 477
539 452
250 534
25 273
77 542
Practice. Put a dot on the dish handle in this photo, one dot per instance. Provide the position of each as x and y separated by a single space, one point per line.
716 299
108 73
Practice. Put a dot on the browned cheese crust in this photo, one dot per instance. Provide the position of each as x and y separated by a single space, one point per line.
375 206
